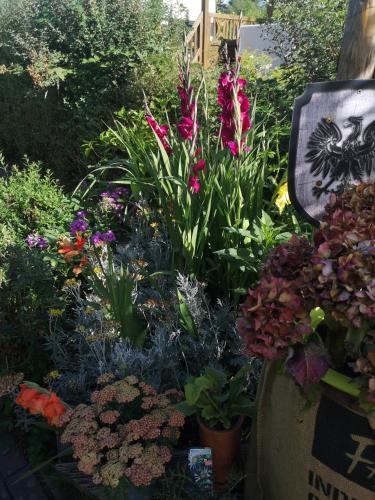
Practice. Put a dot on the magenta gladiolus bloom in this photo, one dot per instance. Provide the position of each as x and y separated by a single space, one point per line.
161 131
233 147
188 124
194 184
199 166
230 90
186 128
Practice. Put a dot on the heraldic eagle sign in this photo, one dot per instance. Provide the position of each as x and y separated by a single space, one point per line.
345 163
332 143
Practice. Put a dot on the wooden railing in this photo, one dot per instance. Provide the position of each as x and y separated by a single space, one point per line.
194 40
225 26
210 29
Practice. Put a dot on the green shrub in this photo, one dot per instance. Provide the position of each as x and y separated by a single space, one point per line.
29 202
67 65
314 31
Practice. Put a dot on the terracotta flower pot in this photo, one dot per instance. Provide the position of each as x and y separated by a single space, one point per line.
225 445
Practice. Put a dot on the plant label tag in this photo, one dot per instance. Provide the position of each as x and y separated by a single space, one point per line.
332 145
200 466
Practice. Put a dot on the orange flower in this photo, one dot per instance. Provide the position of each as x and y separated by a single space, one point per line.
80 242
83 263
26 396
70 249
37 403
54 409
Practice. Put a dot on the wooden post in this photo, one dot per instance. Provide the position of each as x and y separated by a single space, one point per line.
206 33
270 8
357 60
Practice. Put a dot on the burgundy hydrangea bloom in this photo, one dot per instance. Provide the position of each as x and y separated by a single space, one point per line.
234 118
287 259
342 267
161 131
274 317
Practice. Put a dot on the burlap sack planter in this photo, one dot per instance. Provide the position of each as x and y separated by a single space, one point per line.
301 452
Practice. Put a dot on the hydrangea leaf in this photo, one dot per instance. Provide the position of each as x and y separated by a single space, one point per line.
308 364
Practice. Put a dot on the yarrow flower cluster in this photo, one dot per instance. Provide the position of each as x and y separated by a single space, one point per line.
35 240
9 383
39 402
110 444
234 118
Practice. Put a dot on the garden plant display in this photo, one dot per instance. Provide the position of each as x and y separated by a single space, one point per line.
333 278
120 299
209 174
124 434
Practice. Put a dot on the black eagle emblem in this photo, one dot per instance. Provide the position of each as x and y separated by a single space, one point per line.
343 164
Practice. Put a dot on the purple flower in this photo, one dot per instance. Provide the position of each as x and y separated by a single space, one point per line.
99 238
34 240
82 214
96 239
78 226
110 200
108 237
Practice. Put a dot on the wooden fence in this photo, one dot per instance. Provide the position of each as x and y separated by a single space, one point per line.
209 30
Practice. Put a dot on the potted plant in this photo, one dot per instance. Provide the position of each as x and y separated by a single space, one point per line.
220 403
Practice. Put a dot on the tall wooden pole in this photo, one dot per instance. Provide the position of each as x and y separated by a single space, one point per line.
270 8
357 58
206 33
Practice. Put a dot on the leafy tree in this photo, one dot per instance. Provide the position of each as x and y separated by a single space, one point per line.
67 65
251 8
308 34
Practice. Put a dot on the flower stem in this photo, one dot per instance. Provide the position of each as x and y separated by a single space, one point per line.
342 383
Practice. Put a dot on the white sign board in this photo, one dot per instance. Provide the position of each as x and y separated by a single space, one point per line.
332 143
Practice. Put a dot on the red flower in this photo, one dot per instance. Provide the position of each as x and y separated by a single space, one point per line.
200 165
161 131
186 128
26 396
71 249
194 184
230 90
